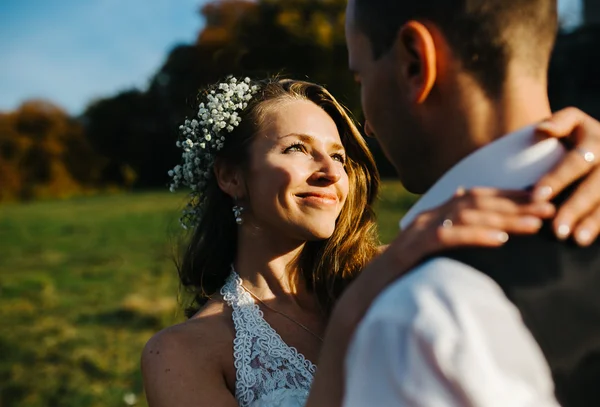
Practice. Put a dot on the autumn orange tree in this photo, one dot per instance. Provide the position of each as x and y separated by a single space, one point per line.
43 153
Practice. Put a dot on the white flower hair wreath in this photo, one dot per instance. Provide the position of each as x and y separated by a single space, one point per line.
204 137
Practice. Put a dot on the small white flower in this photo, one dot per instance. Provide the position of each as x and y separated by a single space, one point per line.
217 115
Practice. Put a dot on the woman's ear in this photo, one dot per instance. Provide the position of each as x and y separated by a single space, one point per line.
416 53
229 179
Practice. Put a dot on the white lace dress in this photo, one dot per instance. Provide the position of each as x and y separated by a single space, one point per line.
268 371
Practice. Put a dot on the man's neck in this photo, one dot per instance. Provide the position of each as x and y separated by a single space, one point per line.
525 102
481 120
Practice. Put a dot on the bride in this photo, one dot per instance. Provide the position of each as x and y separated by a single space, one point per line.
281 209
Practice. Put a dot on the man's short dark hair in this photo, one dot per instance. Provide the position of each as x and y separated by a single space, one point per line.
485 34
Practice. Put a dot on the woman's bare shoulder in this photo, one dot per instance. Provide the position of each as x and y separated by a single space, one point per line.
191 360
202 334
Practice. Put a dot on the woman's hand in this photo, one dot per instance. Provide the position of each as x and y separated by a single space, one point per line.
579 216
481 217
478 217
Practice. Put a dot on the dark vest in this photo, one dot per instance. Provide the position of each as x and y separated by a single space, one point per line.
556 287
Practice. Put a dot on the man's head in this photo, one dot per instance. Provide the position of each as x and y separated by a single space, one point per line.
428 67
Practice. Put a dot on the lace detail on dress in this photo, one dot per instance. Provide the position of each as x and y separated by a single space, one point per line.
266 367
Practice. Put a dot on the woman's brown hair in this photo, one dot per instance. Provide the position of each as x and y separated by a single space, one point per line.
325 266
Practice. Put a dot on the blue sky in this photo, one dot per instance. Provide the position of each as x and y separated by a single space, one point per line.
72 51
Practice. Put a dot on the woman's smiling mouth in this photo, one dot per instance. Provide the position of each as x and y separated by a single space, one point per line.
318 198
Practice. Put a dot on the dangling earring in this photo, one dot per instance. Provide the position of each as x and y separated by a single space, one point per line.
237 213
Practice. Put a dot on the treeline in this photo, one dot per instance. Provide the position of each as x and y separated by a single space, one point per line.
44 153
128 140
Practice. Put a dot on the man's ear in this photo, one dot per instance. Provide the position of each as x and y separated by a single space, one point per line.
416 57
229 179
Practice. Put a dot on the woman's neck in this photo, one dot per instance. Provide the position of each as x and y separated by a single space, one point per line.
265 263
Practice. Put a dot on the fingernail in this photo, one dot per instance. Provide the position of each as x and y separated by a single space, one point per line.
460 191
583 237
531 221
502 237
542 193
546 126
563 231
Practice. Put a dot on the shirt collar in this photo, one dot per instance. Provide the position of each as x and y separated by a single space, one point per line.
514 161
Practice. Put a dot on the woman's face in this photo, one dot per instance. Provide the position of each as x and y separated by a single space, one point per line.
297 182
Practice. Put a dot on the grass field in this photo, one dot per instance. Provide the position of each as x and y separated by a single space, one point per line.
84 283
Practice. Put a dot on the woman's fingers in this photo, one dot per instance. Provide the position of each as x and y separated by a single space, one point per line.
583 133
576 163
476 192
480 217
511 223
508 204
583 201
587 230
570 123
464 236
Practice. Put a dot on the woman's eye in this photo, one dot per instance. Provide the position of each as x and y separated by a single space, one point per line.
339 157
295 148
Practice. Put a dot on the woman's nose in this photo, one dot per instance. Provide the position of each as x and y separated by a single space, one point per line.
329 170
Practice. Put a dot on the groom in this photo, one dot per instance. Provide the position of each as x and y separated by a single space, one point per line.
452 90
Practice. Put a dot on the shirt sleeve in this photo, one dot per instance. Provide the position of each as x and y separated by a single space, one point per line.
445 335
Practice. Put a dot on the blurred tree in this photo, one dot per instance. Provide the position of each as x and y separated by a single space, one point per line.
302 39
43 152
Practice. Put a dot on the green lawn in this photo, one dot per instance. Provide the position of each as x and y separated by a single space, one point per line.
84 283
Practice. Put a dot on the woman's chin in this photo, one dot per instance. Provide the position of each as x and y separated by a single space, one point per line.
319 233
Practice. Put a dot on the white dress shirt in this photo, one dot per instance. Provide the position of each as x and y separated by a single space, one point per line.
445 334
